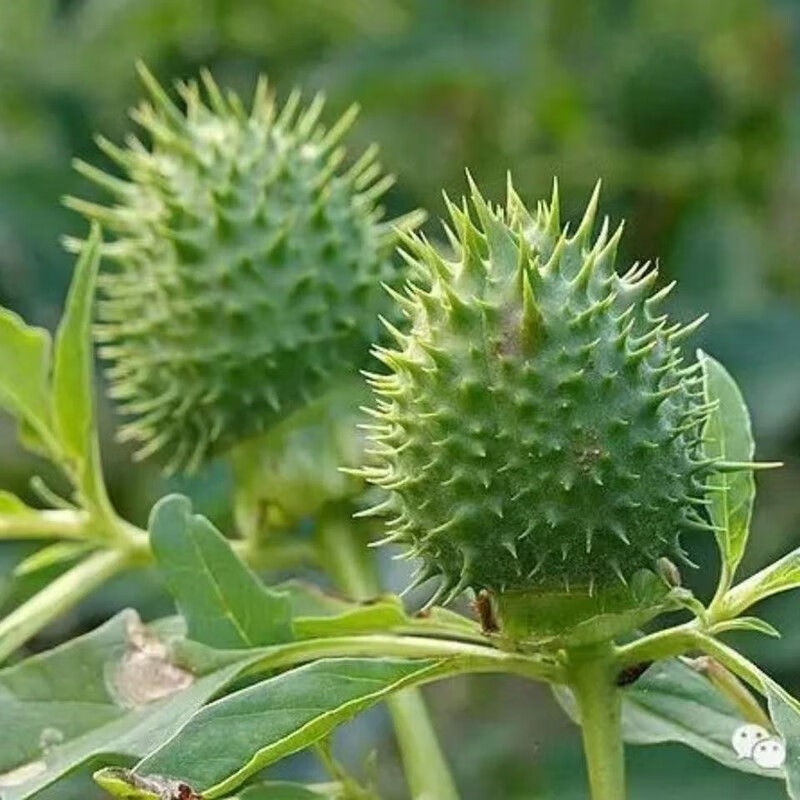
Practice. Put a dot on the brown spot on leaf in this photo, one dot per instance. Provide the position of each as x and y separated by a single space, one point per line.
146 672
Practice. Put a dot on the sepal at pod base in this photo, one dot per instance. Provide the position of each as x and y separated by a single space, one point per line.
538 433
248 265
303 464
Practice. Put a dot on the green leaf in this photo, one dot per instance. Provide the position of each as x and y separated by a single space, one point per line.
224 603
115 693
785 715
73 375
24 371
672 702
728 437
232 739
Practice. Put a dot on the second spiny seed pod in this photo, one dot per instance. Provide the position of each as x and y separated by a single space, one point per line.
539 433
249 266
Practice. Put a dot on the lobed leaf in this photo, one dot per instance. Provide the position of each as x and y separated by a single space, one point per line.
238 735
224 602
728 437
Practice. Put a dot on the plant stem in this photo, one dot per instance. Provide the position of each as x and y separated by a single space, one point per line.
426 770
670 642
470 657
591 675
62 594
348 562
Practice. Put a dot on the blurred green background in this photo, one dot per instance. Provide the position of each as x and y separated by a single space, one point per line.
689 110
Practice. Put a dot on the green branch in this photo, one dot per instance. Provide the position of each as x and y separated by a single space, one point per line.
656 646
472 657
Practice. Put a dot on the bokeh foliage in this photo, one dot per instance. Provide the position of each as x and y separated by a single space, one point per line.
689 111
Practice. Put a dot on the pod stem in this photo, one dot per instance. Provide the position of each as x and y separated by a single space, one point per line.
348 562
591 675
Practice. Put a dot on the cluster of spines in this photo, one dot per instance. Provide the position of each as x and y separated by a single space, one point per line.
518 253
190 416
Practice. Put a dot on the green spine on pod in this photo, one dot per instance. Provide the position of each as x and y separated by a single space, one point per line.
538 432
249 260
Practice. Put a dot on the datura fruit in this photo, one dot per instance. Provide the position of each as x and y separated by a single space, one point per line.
249 262
539 431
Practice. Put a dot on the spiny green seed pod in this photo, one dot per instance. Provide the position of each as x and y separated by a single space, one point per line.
249 266
538 431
